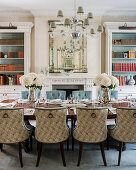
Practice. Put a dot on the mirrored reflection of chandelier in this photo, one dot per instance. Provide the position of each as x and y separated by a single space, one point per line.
75 26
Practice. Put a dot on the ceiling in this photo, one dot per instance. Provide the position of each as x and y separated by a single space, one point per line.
50 7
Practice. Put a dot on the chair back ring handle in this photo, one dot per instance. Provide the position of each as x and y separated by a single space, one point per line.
93 115
134 115
5 115
50 115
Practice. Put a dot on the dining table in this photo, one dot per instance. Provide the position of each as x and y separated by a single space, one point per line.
29 107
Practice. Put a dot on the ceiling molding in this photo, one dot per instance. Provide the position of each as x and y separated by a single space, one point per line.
15 13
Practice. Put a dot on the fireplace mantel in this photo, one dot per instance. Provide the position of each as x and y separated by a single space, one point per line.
67 80
61 80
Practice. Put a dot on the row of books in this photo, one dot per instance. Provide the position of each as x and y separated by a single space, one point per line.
127 54
19 54
123 66
19 67
4 79
1 80
124 42
122 80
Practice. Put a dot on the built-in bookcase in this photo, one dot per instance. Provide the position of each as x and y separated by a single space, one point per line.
11 57
124 56
120 55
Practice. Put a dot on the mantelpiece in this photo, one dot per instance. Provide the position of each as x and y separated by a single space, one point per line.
87 83
61 80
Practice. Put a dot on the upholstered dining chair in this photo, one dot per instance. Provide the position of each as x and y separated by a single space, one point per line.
80 95
113 94
12 128
51 128
56 94
25 93
125 129
91 128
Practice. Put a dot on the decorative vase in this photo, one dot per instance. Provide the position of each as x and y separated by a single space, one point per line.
31 96
106 96
131 81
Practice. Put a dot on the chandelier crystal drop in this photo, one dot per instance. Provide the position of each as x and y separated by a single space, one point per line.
77 25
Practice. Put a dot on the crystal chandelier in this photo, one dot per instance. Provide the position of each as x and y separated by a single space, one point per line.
72 24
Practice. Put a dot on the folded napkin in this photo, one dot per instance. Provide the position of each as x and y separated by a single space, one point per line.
85 101
6 105
56 101
29 111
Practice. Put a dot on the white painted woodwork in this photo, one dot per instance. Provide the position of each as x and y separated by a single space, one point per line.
8 92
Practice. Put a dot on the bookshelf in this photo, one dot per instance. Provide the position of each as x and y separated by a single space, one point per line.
11 57
121 55
124 56
15 52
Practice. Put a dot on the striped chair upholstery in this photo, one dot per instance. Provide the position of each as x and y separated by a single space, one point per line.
51 128
80 95
125 129
91 128
12 128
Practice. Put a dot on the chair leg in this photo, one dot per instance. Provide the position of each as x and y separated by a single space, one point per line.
68 144
72 127
72 143
108 141
39 150
1 147
26 145
124 146
20 155
103 154
80 153
31 143
62 153
120 150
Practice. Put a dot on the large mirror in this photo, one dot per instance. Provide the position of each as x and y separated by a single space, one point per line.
66 53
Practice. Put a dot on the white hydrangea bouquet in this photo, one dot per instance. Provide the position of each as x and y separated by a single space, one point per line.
106 81
32 80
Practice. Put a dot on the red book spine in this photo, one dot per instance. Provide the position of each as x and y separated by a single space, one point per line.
131 67
120 81
121 66
115 66
124 81
21 54
10 54
118 69
18 76
128 66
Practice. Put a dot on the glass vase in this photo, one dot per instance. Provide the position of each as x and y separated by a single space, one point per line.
31 96
106 95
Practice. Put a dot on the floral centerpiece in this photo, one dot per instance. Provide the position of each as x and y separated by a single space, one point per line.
106 82
32 81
